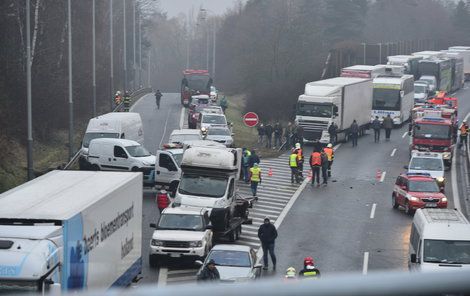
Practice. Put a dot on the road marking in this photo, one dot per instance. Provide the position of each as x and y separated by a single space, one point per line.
393 152
164 128
162 276
404 135
365 263
336 147
372 211
382 178
182 117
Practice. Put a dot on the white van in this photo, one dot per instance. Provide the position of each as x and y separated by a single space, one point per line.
120 155
439 240
117 125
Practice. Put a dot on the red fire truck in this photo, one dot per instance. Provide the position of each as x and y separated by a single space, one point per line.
194 82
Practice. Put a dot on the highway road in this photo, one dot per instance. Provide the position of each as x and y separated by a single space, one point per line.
348 226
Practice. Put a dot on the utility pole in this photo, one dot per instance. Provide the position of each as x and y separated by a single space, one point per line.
213 49
148 66
69 27
140 51
134 47
111 56
94 59
125 44
28 92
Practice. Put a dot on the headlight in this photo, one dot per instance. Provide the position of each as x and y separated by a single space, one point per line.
446 155
444 199
156 243
440 179
195 244
413 198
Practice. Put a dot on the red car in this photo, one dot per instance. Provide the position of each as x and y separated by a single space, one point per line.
198 103
416 191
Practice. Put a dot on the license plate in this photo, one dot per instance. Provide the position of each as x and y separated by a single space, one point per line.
430 205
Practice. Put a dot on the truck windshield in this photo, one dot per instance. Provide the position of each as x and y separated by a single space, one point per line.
199 83
177 157
180 222
208 186
314 110
426 164
420 89
423 186
386 99
432 131
446 251
137 151
90 136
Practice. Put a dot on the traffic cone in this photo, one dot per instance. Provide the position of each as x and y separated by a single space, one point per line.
309 175
270 172
378 175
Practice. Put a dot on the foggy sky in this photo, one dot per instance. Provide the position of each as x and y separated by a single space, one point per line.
174 7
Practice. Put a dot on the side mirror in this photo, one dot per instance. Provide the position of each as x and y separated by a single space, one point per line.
413 258
209 227
405 167
153 225
198 263
258 266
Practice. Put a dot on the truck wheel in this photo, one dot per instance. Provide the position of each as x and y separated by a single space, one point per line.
95 167
153 260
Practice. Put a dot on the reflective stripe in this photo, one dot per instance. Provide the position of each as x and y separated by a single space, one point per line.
293 160
310 273
255 174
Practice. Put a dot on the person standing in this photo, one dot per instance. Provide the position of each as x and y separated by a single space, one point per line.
246 165
388 125
158 97
333 130
267 234
261 134
288 134
315 165
268 131
354 132
376 127
254 158
277 135
293 167
464 129
255 178
324 167
331 156
162 200
300 160
209 273
223 104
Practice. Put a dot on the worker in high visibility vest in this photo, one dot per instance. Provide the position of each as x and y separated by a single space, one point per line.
293 167
315 164
255 178
300 160
309 271
331 156
464 129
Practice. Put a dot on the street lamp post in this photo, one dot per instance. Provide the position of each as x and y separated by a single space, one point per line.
28 92
69 29
111 56
134 47
124 45
204 12
94 57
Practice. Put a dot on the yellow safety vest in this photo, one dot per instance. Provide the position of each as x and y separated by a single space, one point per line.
329 153
255 174
293 160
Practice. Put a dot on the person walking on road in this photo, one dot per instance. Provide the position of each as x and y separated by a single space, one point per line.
354 131
209 273
331 156
376 127
261 133
309 271
464 129
294 175
158 97
255 178
277 135
268 131
324 167
333 130
267 234
254 158
388 125
223 104
315 165
162 200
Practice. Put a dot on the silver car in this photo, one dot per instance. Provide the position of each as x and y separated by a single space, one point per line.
235 263
220 134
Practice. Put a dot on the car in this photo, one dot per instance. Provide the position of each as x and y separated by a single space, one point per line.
235 263
199 102
213 109
207 120
220 134
214 94
421 93
431 163
414 191
182 136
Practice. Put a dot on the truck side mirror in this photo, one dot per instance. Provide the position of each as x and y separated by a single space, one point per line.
198 263
413 258
153 225
405 167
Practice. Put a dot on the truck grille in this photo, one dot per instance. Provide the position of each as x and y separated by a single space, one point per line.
422 147
175 244
313 128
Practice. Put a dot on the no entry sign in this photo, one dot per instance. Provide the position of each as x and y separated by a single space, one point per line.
251 119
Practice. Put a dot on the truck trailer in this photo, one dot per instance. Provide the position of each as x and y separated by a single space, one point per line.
71 230
465 52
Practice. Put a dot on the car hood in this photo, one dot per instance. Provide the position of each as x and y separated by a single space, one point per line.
420 95
218 138
178 235
148 159
231 273
427 194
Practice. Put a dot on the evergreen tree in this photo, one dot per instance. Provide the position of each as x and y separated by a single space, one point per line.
461 19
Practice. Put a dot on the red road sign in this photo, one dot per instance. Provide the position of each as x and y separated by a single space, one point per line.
251 119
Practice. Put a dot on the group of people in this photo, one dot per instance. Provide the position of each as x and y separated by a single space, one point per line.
387 123
268 133
309 271
251 172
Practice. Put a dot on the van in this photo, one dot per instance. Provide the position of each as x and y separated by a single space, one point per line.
439 240
120 155
116 125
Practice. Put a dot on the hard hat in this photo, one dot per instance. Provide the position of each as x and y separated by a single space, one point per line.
308 261
329 145
290 272
297 145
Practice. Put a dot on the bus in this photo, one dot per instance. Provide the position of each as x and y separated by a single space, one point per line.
439 68
393 95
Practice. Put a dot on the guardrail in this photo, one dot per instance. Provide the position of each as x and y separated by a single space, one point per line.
135 95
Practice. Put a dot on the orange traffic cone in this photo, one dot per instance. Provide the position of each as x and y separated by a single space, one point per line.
309 175
270 172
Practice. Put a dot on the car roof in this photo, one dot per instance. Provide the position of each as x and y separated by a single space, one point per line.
419 154
185 131
234 247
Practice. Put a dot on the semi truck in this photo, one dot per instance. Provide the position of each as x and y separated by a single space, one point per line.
194 82
465 52
340 100
71 230
457 65
441 69
363 71
410 63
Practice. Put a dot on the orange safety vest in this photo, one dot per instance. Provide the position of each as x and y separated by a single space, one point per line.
300 156
329 153
316 159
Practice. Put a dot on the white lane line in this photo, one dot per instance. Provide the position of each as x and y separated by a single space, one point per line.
393 152
162 276
336 147
365 263
182 117
131 109
404 135
164 128
372 211
382 178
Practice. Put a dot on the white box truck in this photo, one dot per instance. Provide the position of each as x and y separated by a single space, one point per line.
465 52
71 230
339 100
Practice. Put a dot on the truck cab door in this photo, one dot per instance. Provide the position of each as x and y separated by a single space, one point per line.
166 169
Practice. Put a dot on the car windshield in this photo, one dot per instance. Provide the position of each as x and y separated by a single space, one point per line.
208 186
180 222
230 258
446 251
184 138
420 89
423 186
90 136
219 132
315 110
214 119
202 101
137 151
426 164
432 131
386 99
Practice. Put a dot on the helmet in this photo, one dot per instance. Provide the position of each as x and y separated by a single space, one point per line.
297 145
308 261
290 272
329 145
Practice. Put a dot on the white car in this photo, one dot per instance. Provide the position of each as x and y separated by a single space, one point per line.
182 136
430 163
214 95
208 120
421 93
220 134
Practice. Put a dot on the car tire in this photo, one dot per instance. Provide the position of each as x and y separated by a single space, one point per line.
95 167
153 261
394 201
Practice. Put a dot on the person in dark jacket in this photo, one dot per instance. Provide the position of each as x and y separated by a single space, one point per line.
261 134
333 130
209 272
268 131
376 127
388 125
324 167
277 135
254 158
267 234
354 131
